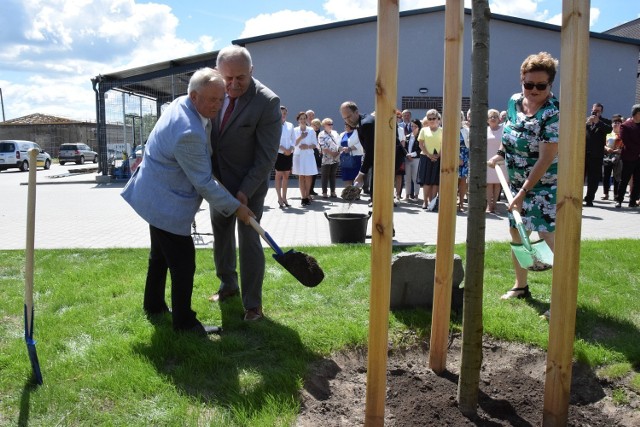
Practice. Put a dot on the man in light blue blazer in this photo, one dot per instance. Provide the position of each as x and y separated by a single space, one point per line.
167 189
245 140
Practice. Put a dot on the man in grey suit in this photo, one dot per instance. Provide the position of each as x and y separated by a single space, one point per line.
245 140
167 189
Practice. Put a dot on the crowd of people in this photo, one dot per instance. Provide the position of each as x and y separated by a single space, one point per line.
344 155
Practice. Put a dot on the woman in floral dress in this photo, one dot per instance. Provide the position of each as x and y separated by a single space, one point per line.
530 148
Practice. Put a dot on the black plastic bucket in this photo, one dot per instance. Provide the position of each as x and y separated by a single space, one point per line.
348 227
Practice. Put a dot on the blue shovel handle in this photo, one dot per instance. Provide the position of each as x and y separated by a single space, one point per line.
267 238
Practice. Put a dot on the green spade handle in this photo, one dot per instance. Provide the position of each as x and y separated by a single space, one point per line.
516 215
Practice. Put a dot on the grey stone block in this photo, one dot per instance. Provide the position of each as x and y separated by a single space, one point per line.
412 277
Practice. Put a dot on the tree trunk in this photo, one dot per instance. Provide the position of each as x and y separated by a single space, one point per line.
471 360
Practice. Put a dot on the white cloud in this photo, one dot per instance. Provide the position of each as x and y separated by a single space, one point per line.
352 9
527 9
531 9
281 21
594 14
61 44
344 10
71 97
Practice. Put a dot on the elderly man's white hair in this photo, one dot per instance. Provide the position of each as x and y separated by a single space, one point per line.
202 77
233 52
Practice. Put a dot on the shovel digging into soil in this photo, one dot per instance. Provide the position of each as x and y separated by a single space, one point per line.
301 266
536 256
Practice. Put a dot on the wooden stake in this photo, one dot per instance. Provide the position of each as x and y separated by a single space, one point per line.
29 249
454 43
573 61
382 218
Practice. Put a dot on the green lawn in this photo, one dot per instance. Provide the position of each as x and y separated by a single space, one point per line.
104 363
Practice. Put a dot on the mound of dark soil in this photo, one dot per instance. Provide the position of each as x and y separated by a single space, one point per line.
511 391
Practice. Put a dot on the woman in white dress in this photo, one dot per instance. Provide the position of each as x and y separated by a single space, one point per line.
304 161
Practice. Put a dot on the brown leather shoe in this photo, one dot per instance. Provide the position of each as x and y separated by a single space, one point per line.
221 296
253 314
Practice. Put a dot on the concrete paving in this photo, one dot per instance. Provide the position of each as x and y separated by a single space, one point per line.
74 211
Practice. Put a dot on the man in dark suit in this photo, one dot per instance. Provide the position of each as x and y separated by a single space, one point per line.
365 125
167 189
245 141
597 129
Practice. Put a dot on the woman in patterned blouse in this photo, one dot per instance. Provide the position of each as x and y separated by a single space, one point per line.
530 147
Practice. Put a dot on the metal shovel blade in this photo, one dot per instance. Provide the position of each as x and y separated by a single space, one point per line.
301 266
31 345
537 257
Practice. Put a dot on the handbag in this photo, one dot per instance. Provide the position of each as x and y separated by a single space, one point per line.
348 161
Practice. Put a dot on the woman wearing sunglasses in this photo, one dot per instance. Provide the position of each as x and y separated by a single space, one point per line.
529 148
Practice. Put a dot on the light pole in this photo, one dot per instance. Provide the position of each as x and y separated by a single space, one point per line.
2 102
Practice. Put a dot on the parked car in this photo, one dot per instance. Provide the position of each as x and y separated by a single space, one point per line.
14 154
76 152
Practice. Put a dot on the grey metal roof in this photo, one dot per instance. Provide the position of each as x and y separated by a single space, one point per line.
163 80
629 29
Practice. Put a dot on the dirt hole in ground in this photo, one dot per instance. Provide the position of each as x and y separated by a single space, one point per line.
511 391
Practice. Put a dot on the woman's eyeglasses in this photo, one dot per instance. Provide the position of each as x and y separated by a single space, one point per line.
539 86
432 118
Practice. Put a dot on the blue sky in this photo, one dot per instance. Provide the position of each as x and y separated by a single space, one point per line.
50 49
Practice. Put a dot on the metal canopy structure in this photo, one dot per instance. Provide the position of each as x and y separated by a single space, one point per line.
161 82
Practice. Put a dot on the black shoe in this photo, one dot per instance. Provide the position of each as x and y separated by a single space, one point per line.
313 193
518 293
157 312
200 329
588 204
157 317
618 205
633 205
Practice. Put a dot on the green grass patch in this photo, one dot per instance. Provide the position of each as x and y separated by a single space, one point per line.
634 384
104 363
615 371
619 397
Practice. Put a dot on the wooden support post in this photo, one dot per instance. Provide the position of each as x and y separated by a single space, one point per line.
454 43
574 75
382 218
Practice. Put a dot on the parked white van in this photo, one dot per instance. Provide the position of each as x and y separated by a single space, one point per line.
14 153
